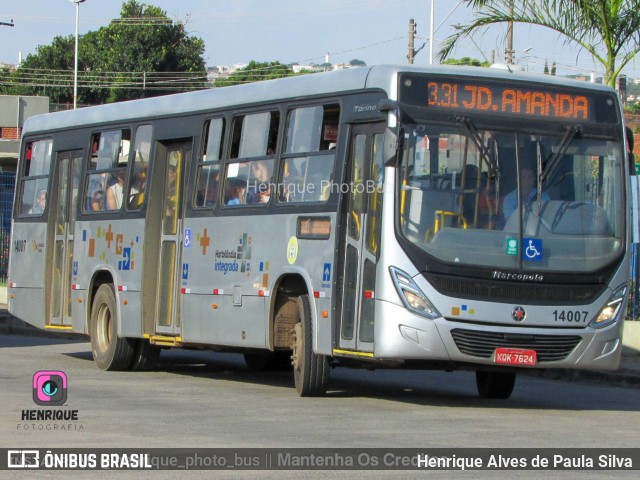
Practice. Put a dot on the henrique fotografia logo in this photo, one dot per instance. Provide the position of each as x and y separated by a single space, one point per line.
50 388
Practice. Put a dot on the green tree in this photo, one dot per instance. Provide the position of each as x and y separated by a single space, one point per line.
141 54
607 29
256 72
45 72
468 61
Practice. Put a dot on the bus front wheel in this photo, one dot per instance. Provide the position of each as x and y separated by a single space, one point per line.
310 371
495 384
110 352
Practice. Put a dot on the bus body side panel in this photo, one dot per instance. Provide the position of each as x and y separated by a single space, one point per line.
230 270
27 280
119 244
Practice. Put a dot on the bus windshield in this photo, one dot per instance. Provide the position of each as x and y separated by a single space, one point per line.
510 199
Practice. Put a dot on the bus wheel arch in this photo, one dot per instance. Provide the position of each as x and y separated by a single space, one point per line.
110 352
284 309
282 318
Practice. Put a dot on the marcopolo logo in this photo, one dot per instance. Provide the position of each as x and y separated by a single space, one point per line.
50 388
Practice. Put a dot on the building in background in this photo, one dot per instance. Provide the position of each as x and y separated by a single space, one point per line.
14 110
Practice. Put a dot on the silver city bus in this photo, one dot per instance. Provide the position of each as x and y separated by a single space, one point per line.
381 216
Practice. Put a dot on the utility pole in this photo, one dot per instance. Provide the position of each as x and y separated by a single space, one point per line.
509 50
432 31
412 35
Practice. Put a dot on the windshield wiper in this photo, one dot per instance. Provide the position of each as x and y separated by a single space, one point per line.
554 161
484 150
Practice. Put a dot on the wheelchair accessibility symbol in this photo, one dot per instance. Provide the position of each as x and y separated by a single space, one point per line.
532 249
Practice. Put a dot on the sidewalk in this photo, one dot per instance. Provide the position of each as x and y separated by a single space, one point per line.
627 374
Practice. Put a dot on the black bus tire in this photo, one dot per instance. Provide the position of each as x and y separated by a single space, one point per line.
495 384
310 371
110 352
145 356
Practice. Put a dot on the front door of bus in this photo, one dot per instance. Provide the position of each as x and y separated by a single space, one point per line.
63 216
168 306
363 211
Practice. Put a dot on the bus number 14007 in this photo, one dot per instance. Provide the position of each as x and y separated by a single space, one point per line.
576 316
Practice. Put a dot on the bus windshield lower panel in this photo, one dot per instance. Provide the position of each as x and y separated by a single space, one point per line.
500 199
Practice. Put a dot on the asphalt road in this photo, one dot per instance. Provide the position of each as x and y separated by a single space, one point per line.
199 399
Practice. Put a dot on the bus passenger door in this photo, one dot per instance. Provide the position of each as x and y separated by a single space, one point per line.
169 273
62 216
362 214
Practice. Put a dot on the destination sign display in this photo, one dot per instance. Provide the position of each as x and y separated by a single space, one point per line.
524 100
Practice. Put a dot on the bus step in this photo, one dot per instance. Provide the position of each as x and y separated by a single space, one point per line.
164 341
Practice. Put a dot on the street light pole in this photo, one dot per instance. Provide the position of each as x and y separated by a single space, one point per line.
75 69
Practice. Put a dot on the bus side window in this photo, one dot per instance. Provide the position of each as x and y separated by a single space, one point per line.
110 152
307 170
209 165
35 177
235 185
254 138
141 167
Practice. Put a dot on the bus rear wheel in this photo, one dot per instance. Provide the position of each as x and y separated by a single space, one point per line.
110 352
145 356
310 371
495 384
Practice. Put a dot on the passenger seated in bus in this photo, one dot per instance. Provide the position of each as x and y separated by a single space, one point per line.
136 194
95 199
235 191
115 191
261 175
41 202
528 192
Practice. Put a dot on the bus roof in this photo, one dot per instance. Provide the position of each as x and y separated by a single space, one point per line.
373 77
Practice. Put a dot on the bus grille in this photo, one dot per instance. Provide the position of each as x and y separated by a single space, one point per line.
549 348
532 294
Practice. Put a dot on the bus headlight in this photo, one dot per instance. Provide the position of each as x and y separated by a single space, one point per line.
411 295
611 310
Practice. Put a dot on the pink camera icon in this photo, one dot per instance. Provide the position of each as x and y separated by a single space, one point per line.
50 387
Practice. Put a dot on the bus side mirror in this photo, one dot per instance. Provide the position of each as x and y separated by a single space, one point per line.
391 146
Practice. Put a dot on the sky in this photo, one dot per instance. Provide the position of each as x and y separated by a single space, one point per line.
302 31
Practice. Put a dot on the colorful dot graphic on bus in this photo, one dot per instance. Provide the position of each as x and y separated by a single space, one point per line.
204 240
292 250
462 310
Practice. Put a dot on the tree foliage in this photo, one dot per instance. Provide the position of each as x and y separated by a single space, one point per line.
608 29
468 61
141 54
256 72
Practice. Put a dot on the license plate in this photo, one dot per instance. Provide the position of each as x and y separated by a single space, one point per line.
515 356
